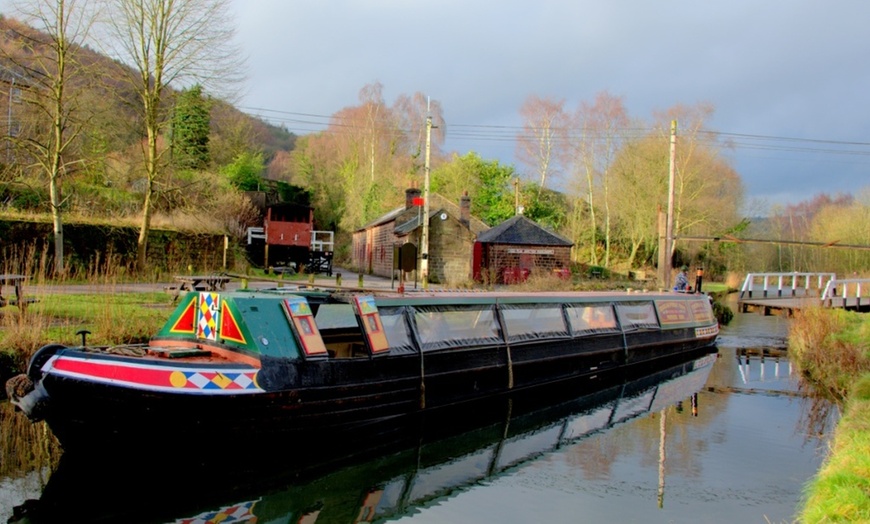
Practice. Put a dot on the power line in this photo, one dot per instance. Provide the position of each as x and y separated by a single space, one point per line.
304 123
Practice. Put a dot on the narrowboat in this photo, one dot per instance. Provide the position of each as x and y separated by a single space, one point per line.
391 470
266 365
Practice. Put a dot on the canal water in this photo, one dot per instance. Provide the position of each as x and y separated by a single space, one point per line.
722 437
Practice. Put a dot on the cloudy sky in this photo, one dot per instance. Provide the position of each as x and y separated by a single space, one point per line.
789 79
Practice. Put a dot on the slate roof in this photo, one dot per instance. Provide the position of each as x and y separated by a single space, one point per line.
383 219
414 222
520 230
437 205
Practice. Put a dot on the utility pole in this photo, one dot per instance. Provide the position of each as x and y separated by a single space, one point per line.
424 248
669 238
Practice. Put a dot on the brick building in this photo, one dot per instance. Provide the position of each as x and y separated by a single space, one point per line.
512 250
452 233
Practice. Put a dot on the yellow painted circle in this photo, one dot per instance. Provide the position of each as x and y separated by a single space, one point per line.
178 379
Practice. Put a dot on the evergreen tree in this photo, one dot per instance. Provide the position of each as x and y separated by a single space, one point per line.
191 125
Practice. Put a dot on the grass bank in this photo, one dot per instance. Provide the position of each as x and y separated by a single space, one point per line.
831 349
109 318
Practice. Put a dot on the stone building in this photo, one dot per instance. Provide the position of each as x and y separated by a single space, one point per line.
452 233
511 251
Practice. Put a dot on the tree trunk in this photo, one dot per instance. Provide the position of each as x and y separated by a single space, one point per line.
593 258
142 243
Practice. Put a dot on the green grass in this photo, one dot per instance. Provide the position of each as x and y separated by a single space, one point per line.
832 349
111 318
715 287
840 491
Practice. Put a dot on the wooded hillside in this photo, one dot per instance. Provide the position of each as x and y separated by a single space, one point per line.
102 176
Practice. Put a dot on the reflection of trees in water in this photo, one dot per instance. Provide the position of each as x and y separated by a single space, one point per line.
686 440
691 434
25 446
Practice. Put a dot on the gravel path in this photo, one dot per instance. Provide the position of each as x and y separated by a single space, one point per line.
348 280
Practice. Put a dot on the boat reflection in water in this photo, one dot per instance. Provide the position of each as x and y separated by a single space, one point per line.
379 472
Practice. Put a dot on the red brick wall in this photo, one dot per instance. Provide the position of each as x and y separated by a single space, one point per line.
537 259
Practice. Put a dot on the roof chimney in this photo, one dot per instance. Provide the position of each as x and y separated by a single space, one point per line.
410 194
465 209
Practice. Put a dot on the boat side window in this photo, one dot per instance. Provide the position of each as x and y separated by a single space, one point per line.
531 322
456 326
637 315
396 329
590 318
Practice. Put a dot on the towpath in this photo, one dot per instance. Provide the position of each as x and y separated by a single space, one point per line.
349 280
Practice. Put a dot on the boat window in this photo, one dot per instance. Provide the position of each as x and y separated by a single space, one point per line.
457 326
589 318
637 315
529 322
335 316
396 329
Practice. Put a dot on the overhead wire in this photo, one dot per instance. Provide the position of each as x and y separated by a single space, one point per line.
304 123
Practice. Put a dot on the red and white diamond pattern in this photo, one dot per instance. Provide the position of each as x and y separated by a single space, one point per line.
207 317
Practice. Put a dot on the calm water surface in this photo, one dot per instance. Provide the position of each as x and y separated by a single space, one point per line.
724 438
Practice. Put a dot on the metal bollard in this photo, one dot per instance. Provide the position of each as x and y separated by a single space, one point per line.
360 282
244 284
311 278
338 279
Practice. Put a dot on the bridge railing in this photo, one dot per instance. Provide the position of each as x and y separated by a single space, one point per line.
770 285
847 292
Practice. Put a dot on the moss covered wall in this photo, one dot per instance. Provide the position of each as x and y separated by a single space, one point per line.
87 246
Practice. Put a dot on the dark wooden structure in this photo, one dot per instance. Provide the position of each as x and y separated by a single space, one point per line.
288 238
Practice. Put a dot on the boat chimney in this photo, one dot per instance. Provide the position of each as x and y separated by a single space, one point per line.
465 209
412 196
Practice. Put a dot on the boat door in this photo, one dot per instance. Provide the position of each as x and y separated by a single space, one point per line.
302 324
370 321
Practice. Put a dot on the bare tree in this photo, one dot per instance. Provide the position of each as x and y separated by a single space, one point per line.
707 191
362 163
49 64
598 133
544 122
169 43
638 191
604 126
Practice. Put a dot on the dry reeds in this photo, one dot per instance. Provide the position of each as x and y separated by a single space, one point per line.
825 353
